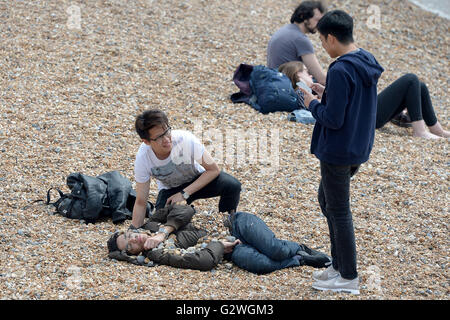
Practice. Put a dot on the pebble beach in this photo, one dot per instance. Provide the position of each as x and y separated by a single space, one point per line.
74 75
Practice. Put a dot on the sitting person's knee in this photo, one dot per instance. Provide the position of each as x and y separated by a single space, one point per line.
232 184
411 77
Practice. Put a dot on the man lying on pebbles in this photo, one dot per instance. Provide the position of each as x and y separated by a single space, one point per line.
169 238
251 246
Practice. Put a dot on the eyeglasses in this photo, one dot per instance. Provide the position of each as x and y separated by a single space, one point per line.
159 138
127 239
128 236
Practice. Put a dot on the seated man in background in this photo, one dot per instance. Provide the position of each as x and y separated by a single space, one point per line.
290 42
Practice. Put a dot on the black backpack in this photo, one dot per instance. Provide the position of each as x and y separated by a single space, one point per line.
91 198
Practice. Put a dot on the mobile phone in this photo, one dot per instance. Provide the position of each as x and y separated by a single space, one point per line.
303 85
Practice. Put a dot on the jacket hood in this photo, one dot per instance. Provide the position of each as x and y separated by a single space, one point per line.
366 65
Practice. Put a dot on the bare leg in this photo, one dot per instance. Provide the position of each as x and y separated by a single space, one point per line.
439 131
420 130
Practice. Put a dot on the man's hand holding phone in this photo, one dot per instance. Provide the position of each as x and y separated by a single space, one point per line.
308 97
318 88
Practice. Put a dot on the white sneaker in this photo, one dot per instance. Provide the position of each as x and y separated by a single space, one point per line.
338 284
327 274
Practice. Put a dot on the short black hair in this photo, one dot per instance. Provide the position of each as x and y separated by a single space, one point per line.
149 119
339 24
305 11
112 242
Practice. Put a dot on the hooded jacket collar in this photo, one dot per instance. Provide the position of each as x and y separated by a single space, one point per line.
365 64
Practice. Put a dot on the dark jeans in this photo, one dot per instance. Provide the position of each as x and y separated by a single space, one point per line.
225 186
334 200
260 252
406 92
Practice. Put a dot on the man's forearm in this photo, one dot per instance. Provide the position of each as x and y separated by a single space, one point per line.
166 230
204 179
319 75
138 215
312 64
140 205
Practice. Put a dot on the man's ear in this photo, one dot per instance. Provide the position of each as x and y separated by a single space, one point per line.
146 141
331 39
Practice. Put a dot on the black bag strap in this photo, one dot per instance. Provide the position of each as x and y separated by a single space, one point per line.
31 203
48 199
62 197
61 194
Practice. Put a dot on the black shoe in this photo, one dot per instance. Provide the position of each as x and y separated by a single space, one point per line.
228 221
402 120
313 258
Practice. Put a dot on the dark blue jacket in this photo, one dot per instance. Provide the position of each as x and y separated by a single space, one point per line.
345 119
265 89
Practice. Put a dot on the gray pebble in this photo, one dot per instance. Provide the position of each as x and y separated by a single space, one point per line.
140 259
190 250
22 232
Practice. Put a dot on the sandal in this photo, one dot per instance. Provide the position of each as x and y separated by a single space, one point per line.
402 120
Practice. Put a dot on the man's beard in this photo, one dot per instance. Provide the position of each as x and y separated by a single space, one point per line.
308 28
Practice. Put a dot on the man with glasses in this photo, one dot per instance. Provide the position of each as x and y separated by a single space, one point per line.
182 167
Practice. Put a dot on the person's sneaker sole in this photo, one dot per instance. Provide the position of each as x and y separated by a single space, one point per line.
352 291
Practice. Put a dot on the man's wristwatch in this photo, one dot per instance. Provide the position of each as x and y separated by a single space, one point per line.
131 227
163 230
184 194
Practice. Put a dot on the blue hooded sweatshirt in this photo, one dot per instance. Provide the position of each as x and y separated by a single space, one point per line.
345 118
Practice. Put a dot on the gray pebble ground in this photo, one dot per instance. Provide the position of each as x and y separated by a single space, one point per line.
69 99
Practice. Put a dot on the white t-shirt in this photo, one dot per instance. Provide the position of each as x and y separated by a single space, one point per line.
180 167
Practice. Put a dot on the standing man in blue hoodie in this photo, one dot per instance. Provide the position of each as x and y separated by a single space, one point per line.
342 140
